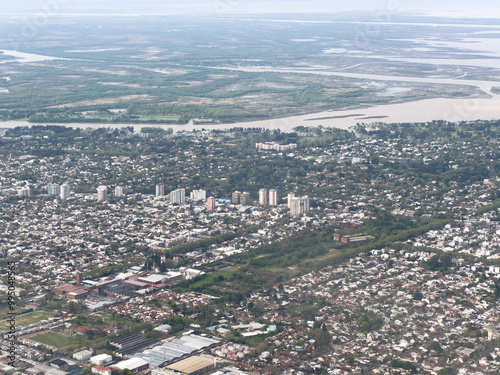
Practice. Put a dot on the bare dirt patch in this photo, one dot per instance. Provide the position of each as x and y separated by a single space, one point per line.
169 71
119 72
192 100
193 83
133 85
220 76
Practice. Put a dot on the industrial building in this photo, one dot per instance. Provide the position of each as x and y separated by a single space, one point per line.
175 349
101 359
71 292
133 364
195 365
83 355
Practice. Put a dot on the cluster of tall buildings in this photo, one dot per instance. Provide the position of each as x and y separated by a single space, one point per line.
177 196
240 198
64 190
102 192
298 206
268 197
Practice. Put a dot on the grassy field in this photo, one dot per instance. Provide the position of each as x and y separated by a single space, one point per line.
25 319
213 278
55 339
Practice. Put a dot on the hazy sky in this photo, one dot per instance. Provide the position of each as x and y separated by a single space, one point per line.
483 8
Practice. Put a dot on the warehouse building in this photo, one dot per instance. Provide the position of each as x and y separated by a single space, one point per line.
193 366
101 359
175 349
83 355
133 364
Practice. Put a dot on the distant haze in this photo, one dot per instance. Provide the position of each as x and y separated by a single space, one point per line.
455 8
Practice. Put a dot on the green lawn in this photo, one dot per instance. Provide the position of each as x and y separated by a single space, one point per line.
55 339
25 319
213 278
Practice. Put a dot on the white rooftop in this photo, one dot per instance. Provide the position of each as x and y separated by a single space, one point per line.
101 357
153 278
131 364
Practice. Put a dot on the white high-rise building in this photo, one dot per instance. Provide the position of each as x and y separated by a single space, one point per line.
290 197
273 197
160 190
65 191
53 189
263 197
24 192
102 193
119 192
299 206
295 206
178 196
198 195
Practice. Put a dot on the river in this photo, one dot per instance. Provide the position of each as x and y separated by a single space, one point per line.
485 86
23 57
419 111
408 112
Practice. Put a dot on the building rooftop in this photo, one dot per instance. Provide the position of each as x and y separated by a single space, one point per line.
130 364
153 278
191 364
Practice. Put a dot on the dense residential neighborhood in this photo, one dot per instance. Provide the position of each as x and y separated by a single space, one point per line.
372 250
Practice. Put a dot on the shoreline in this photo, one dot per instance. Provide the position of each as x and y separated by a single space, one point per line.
421 111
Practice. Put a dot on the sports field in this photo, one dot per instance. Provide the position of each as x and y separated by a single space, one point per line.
55 339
